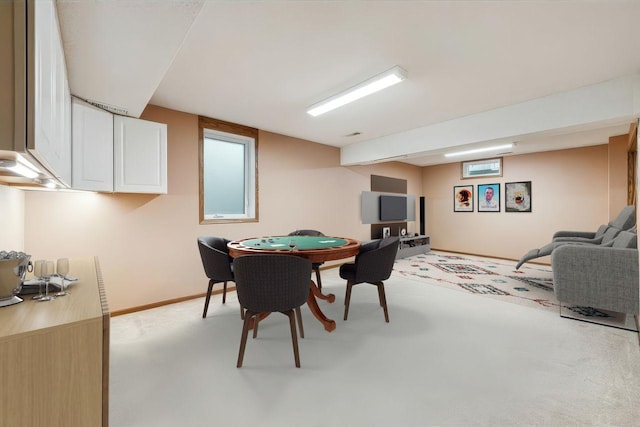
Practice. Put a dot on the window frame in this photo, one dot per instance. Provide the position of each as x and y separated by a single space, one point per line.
235 133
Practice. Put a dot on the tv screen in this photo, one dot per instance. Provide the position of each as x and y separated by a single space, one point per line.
393 208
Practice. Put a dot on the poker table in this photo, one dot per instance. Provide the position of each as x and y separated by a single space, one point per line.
316 249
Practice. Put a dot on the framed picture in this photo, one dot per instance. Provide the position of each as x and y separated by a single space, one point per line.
482 168
463 198
386 232
517 196
489 198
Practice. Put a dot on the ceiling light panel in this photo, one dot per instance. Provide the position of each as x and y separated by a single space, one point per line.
381 81
478 150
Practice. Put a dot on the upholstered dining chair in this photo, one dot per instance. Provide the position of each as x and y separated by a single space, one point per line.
373 265
268 284
316 265
218 265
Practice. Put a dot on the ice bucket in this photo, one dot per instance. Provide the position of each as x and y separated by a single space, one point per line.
12 273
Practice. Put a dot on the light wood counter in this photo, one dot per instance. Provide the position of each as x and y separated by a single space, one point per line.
54 356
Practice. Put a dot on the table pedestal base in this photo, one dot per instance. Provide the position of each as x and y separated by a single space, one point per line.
329 325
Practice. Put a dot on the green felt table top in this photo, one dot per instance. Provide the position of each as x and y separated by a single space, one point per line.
301 242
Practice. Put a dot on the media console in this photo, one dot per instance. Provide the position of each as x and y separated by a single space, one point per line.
414 245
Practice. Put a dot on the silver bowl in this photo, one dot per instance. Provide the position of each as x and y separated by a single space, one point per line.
12 272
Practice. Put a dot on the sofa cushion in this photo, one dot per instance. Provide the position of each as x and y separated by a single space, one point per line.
626 239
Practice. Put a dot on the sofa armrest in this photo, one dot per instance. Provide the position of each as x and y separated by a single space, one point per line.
594 241
572 234
595 276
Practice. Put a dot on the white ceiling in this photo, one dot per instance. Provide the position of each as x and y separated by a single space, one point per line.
261 63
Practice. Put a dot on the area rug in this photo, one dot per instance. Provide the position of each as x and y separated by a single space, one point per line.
531 285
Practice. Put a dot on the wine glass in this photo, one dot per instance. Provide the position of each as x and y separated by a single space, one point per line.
37 273
63 270
47 270
292 245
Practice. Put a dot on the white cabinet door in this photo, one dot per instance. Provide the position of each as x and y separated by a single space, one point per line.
140 156
51 142
92 139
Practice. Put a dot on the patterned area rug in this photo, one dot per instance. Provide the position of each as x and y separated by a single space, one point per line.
532 285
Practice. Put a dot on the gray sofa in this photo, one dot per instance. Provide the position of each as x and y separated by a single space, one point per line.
604 236
604 277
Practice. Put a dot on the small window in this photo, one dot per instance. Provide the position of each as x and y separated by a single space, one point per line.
481 168
228 172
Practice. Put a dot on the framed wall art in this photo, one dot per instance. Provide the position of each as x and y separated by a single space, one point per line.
463 198
517 196
489 198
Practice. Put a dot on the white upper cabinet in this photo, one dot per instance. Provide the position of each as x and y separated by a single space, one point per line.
140 156
51 113
92 139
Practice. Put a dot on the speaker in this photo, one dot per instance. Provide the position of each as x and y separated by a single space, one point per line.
422 216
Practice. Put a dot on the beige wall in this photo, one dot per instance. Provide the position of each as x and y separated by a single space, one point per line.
570 191
147 243
11 219
618 147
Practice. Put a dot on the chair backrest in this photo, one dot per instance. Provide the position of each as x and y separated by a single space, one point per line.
375 261
215 258
626 219
306 233
268 283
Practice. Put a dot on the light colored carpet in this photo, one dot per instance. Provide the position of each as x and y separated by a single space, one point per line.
446 358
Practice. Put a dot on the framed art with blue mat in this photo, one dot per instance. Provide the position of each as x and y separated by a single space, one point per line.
489 198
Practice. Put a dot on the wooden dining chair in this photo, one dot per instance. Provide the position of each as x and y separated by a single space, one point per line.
373 265
268 284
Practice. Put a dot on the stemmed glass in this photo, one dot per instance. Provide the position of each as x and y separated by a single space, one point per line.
37 273
47 270
63 270
292 245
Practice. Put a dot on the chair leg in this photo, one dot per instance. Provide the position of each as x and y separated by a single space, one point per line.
318 280
241 313
294 336
347 300
243 339
224 292
206 301
299 317
383 300
256 321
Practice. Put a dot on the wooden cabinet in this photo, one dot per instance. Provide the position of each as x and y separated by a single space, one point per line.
140 156
115 153
35 101
55 356
51 107
92 139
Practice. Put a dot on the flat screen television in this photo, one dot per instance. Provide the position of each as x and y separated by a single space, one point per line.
393 208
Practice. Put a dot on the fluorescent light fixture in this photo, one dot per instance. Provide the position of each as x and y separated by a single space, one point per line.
479 150
374 84
18 168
